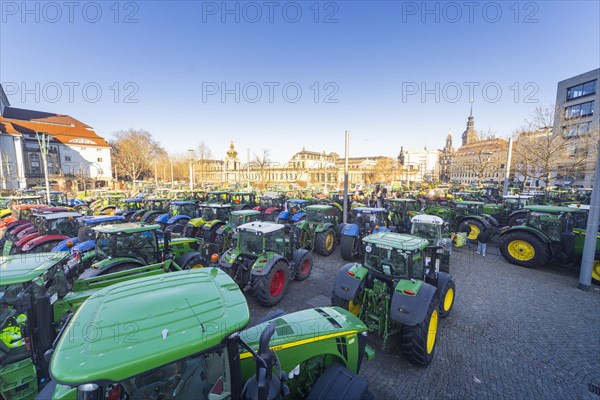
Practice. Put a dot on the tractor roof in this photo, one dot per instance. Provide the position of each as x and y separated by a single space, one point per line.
402 200
370 210
133 200
171 316
427 219
96 219
245 212
58 215
398 241
476 203
130 227
242 193
299 201
319 207
215 205
552 209
516 197
580 206
261 227
218 192
157 199
21 268
183 203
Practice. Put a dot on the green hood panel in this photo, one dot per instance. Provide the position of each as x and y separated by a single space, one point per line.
174 315
21 268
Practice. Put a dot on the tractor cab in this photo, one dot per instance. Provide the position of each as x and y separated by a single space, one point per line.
402 259
428 227
64 223
242 200
130 205
56 198
399 213
514 203
321 213
237 218
50 229
217 197
188 208
156 204
463 208
130 240
258 238
212 212
367 219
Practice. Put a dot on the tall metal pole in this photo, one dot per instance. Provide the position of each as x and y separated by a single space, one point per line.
345 219
507 166
44 142
248 169
589 245
191 154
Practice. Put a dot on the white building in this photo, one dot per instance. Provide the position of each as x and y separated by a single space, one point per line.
77 156
424 163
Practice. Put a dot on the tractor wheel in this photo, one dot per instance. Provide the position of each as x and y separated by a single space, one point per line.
304 267
269 289
325 242
596 272
447 298
476 228
418 341
524 249
347 247
195 262
190 231
512 220
176 228
352 305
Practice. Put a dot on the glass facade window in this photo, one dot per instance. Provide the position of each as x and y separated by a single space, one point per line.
580 110
577 129
581 90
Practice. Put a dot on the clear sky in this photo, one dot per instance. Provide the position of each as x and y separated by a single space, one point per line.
394 73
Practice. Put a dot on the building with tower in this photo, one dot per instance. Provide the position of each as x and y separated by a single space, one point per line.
469 136
446 159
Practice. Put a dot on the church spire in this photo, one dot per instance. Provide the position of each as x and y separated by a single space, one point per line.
470 135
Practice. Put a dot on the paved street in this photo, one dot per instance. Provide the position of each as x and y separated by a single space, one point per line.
513 333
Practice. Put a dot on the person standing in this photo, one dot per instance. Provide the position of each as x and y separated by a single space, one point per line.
482 240
466 228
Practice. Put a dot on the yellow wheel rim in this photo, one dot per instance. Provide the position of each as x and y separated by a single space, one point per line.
448 299
329 241
432 331
353 307
596 271
474 232
521 250
195 266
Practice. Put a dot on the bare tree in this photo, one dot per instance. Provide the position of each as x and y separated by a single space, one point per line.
134 152
261 164
383 170
204 158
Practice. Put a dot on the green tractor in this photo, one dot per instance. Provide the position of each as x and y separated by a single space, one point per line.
399 213
550 232
264 261
242 200
318 231
431 227
471 212
512 209
213 217
227 234
204 349
394 291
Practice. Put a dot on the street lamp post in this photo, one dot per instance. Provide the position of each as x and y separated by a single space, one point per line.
191 154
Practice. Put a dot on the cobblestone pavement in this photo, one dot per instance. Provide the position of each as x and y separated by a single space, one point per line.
513 333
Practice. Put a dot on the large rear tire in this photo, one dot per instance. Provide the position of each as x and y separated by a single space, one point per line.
348 247
446 299
524 249
353 305
419 341
269 289
325 242
193 263
512 220
596 272
476 228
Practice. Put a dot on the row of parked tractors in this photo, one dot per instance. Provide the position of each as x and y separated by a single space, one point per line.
155 324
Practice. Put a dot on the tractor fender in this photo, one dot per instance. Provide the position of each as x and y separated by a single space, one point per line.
298 254
137 214
350 230
224 229
196 222
258 208
24 232
412 309
271 210
442 280
323 227
298 216
162 219
264 270
533 231
62 246
181 261
285 215
98 267
41 240
211 224
84 246
22 241
178 218
103 209
149 216
346 286
19 228
517 212
478 218
223 263
493 221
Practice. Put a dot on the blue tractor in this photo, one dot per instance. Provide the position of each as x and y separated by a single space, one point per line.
295 210
128 207
366 220
178 215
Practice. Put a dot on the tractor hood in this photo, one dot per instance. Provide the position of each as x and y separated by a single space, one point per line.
161 319
21 268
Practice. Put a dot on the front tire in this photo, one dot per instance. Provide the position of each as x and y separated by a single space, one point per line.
524 249
418 341
353 305
447 299
326 242
195 262
269 289
348 247
303 267
476 228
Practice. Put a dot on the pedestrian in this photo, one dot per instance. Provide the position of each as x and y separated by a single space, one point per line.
466 228
482 240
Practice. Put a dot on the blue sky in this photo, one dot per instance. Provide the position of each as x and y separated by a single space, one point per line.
161 66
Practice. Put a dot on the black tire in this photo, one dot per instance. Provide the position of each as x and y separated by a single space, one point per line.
271 315
262 285
512 220
352 306
448 293
321 242
348 247
415 338
193 263
524 249
176 228
476 228
303 267
190 231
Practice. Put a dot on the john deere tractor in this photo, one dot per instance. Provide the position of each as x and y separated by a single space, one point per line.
431 227
264 261
365 221
471 212
318 231
227 234
213 216
511 211
549 232
393 290
400 211
192 341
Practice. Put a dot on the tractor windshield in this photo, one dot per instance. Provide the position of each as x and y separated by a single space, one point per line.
426 231
514 204
392 262
209 213
293 207
267 202
12 324
183 209
59 226
202 377
250 242
236 220
366 220
315 216
141 245
275 241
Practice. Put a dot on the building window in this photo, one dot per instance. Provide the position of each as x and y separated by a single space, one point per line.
98 149
580 110
576 129
99 159
67 158
584 89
